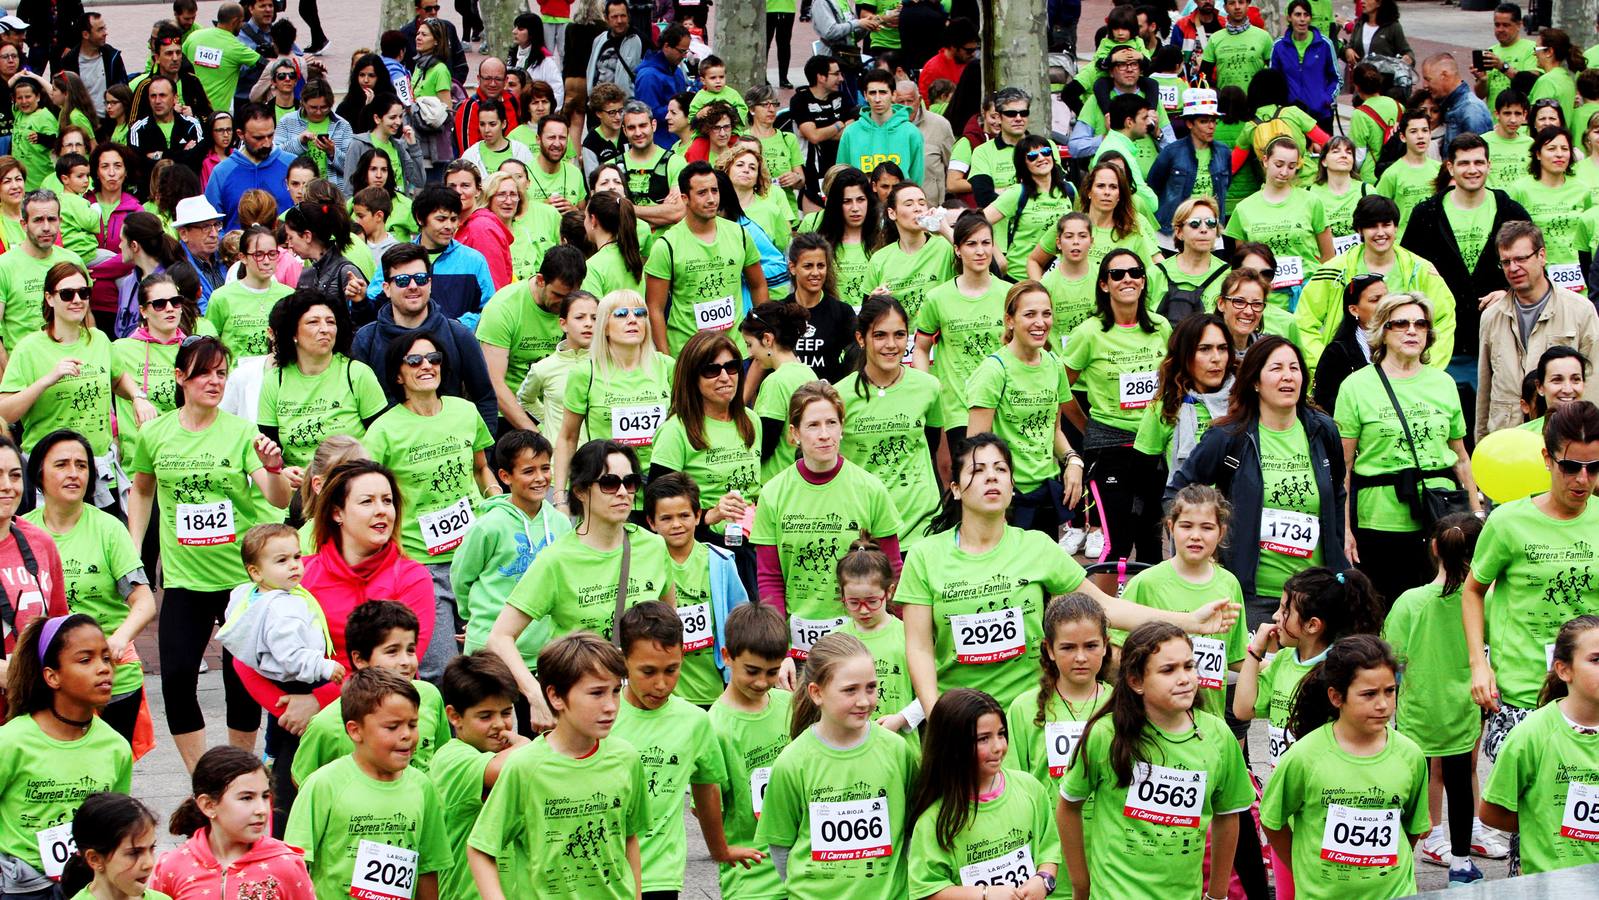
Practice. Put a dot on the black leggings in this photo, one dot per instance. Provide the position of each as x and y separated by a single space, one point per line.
782 26
1389 559
313 21
1458 800
471 22
187 618
123 714
1129 491
283 745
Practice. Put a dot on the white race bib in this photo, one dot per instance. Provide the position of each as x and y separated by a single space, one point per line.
56 846
1165 796
208 57
759 779
1210 661
1290 272
697 633
444 529
1581 819
989 637
1345 243
1060 738
1010 870
635 426
1548 657
804 633
1361 837
1168 96
204 524
383 872
1568 276
1290 533
1136 389
714 315
1280 741
850 829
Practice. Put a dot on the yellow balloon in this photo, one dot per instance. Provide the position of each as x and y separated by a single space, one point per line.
1508 465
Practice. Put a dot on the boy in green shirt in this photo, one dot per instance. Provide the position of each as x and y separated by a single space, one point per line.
713 87
1414 177
370 824
1509 148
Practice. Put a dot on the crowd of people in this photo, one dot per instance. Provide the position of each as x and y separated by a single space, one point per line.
547 445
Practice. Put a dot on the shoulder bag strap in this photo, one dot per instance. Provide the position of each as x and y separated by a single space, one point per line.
621 589
1220 270
1402 423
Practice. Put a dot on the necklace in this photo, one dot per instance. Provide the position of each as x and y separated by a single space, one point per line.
1072 710
81 726
883 388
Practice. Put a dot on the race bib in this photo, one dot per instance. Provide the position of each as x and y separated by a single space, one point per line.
1280 741
714 315
1548 657
1580 822
1290 272
1361 837
1210 662
850 829
1168 96
804 633
443 530
208 57
1060 738
989 637
204 524
56 846
1346 243
635 426
1290 533
1568 276
759 779
697 634
1165 796
1137 389
1011 870
910 352
383 872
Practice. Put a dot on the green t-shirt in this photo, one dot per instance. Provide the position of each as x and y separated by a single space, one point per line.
700 682
393 154
43 781
1131 853
626 406
575 585
566 821
727 95
80 402
607 272
1521 55
309 409
96 554
1287 544
515 323
1319 786
457 774
813 786
566 180
1037 222
1507 158
1161 587
1238 57
771 403
812 526
492 558
217 56
433 82
781 149
1471 227
1117 367
433 459
965 329
909 276
885 434
1558 211
35 158
1043 751
1154 435
325 739
705 279
1540 569
1168 275
150 366
1408 185
1429 638
887 645
1073 302
1365 415
1289 228
853 272
1541 759
1367 134
988 609
208 474
22 286
750 744
773 213
240 316
1340 212
341 810
1138 240
1279 682
678 748
1560 84
1026 400
726 463
1004 842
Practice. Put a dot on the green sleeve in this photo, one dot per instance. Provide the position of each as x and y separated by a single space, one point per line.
498 822
534 595
497 326
710 767
1511 771
927 317
303 829
1153 436
764 530
670 447
1079 784
1263 689
1347 417
1234 791
1417 818
19 372
931 868
141 461
123 557
267 406
913 588
884 521
638 813
1388 184
782 808
1064 575
483 440
578 382
468 563
1396 628
660 264
369 399
1046 848
1079 347
987 385
316 749
1235 226
239 54
1284 793
1492 554
1006 203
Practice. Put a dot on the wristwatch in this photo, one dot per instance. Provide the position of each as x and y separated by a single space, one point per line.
1049 883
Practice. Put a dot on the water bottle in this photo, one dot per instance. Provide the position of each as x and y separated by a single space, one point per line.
734 535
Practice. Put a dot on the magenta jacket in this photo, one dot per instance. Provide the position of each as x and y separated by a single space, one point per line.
105 274
270 869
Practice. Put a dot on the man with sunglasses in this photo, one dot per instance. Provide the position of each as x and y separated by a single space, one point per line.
1521 323
960 47
992 165
456 54
23 267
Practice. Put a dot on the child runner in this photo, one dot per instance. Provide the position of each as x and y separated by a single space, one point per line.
866 585
838 794
229 853
274 626
115 836
1348 800
976 825
1172 771
1046 723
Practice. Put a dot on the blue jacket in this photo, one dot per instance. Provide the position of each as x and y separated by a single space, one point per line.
466 375
1173 175
1465 111
727 591
655 82
1313 82
239 173
461 282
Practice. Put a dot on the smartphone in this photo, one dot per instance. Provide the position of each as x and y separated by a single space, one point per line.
1479 60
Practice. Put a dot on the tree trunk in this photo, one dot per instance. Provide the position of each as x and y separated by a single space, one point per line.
498 17
395 13
1015 46
1576 18
738 31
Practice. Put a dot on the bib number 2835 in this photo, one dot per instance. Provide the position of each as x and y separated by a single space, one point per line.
383 872
850 829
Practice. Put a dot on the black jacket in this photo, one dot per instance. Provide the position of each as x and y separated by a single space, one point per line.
1228 457
1430 236
1341 358
116 70
466 374
187 148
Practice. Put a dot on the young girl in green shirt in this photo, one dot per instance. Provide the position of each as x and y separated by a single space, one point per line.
115 836
1046 722
866 584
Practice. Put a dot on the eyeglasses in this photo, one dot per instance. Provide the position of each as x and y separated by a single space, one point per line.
637 312
970 51
1123 274
268 255
611 112
1242 303
771 103
1014 113
610 484
1267 273
712 370
1125 64
160 303
1574 466
725 126
420 279
1040 153
416 359
1509 262
284 75
857 604
70 294
1407 324
1207 222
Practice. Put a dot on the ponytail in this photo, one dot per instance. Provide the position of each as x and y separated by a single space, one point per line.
825 657
1454 540
217 769
865 561
1312 705
1345 602
614 213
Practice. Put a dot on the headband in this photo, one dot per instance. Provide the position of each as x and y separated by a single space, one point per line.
47 634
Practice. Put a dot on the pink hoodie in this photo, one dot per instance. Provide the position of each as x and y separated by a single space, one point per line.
271 870
484 232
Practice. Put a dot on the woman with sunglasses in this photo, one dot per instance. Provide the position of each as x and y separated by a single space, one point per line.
1383 535
315 389
1556 202
1286 217
1114 358
1030 208
147 355
1107 198
1561 377
1559 61
1349 351
206 507
61 377
436 447
1339 187
620 393
1196 227
240 309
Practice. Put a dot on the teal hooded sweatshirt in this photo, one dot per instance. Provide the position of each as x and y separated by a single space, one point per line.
865 143
498 549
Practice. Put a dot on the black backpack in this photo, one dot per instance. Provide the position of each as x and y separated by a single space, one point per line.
1180 303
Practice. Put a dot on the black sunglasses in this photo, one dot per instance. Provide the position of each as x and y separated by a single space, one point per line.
73 293
610 484
406 279
1119 274
711 370
416 359
164 303
1573 466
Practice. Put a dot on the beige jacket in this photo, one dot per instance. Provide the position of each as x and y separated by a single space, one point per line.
938 140
1502 362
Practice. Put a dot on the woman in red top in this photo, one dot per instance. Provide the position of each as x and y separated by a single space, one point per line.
30 566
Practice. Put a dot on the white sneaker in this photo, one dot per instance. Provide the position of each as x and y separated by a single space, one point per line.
1486 843
1434 848
1072 540
1094 545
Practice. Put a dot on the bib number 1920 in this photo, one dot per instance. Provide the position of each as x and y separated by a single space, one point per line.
443 530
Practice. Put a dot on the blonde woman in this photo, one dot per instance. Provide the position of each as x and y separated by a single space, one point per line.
746 169
503 197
